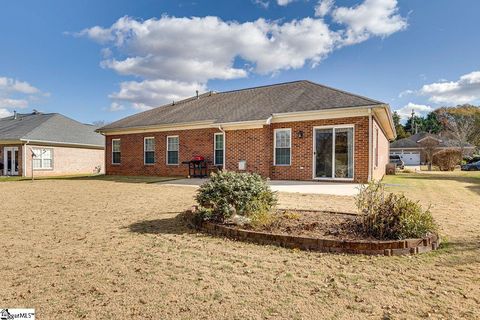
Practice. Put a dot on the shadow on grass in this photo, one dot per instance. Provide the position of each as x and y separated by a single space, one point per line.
172 225
112 178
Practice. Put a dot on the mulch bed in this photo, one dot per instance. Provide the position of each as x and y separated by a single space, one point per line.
317 224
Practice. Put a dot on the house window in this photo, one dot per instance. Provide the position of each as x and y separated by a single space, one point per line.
42 158
172 149
219 144
149 150
116 154
282 145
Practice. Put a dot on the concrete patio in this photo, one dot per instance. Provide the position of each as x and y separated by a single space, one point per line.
312 187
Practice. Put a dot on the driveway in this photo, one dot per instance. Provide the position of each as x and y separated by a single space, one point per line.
312 187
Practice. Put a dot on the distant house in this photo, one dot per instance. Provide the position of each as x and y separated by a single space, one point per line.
49 144
289 131
411 149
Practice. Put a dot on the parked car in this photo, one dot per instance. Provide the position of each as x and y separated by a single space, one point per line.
474 166
397 161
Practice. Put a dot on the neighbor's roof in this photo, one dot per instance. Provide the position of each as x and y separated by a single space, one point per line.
49 127
250 104
415 141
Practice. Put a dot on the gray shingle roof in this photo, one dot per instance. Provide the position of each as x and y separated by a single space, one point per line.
246 104
414 141
51 127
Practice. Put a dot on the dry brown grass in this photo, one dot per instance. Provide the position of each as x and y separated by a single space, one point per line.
108 250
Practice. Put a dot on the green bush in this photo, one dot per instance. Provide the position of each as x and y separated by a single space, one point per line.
392 216
230 193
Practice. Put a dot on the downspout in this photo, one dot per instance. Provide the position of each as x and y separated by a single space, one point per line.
224 146
370 143
24 160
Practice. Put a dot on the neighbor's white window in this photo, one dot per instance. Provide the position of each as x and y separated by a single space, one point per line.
42 158
282 145
149 150
172 149
219 145
116 154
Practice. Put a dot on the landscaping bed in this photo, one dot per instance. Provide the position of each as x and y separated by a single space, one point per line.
321 231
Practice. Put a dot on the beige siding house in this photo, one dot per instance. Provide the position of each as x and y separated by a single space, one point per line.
49 144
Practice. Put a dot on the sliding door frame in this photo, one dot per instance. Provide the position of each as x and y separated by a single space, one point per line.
314 153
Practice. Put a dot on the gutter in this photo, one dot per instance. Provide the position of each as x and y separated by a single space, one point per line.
24 160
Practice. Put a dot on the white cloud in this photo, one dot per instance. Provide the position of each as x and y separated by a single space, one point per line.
405 93
13 103
262 3
323 7
13 85
4 113
371 18
115 106
464 90
186 53
420 110
284 2
152 93
16 94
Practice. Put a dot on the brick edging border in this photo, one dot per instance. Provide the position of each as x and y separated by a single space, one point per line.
367 247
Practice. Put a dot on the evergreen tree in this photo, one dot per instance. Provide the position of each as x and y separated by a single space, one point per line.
398 126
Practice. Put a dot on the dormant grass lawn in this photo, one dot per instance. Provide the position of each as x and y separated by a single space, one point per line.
99 249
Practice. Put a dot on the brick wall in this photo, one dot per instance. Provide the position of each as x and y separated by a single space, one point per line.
191 143
379 165
255 146
301 167
68 161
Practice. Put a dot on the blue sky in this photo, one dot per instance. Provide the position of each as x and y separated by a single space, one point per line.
103 60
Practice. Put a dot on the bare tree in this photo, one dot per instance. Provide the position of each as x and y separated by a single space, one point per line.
430 148
459 128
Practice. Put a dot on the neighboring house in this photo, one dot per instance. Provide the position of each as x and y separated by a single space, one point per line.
289 131
57 145
412 149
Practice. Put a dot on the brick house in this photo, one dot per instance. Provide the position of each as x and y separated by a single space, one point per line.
49 144
289 131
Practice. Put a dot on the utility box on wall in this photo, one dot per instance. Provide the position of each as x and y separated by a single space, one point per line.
242 165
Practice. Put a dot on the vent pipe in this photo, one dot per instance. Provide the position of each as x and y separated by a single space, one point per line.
14 114
196 91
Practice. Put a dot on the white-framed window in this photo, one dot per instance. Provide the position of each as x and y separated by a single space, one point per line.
172 149
42 158
149 150
282 147
219 149
116 153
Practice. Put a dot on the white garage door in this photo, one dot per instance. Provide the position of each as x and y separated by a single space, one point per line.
410 158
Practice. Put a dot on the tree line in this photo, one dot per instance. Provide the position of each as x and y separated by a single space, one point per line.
460 124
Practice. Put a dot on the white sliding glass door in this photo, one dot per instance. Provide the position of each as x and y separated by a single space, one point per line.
333 152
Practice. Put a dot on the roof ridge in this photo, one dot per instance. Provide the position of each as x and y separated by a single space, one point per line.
346 92
262 86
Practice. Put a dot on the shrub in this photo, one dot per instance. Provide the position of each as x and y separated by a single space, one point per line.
230 193
392 216
446 160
